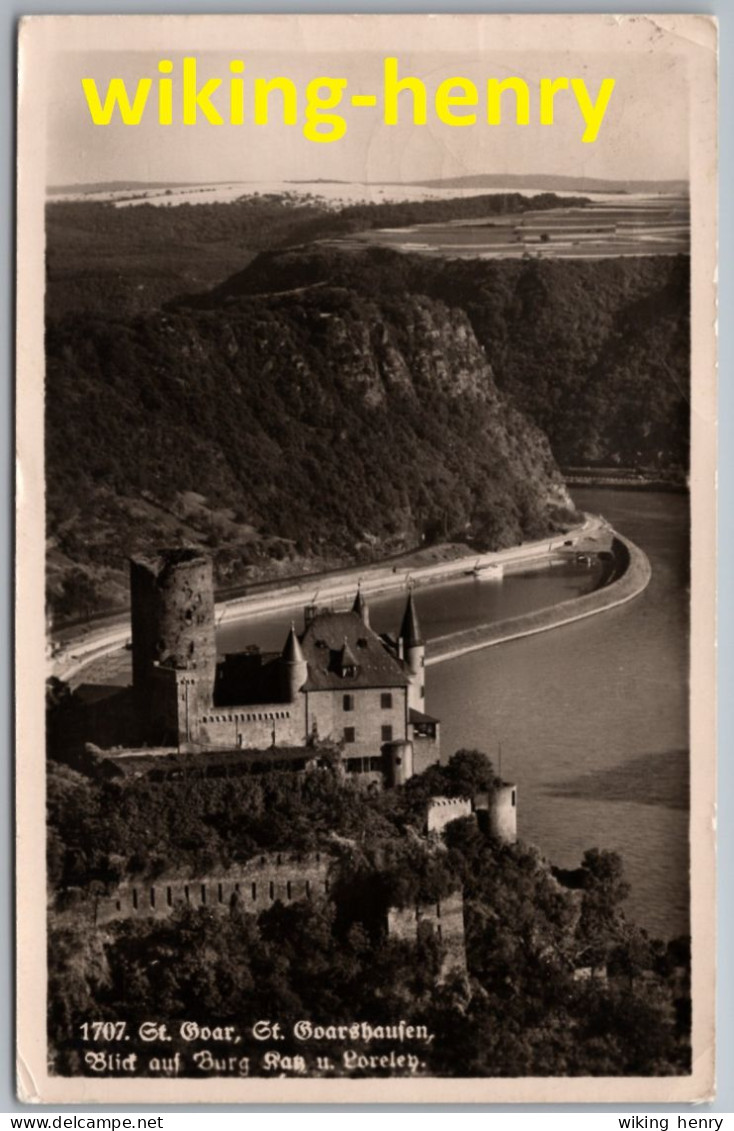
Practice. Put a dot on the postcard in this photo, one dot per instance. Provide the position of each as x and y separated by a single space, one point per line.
366 443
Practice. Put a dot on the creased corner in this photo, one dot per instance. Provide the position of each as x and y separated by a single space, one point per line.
26 1086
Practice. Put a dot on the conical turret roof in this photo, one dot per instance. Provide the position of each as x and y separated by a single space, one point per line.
361 608
410 630
292 652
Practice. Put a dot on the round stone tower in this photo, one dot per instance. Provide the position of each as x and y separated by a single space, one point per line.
503 813
172 619
398 762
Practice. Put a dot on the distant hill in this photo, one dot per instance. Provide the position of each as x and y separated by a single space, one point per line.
552 183
540 182
126 186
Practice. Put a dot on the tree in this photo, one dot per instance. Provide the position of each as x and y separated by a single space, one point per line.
601 923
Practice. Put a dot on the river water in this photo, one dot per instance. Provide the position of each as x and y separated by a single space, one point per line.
591 719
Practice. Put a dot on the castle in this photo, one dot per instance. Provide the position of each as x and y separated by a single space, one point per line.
338 683
337 690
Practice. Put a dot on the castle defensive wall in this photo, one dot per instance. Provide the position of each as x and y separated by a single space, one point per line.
259 884
253 888
445 919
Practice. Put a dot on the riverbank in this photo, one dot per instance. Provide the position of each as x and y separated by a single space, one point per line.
624 479
593 535
630 577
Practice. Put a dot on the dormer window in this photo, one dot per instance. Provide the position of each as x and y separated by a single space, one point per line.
347 662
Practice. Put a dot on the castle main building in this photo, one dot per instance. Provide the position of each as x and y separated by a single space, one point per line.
338 683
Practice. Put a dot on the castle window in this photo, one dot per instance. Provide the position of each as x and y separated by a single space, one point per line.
386 733
514 798
272 890
350 734
386 700
152 897
423 691
187 896
118 905
203 893
135 898
220 893
288 889
254 891
348 702
169 897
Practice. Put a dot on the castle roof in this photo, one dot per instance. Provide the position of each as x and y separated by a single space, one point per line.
420 717
330 637
410 632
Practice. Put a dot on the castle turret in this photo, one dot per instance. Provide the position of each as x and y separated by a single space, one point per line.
361 608
293 667
497 812
174 650
413 651
398 762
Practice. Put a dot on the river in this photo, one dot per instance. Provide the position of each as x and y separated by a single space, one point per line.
591 719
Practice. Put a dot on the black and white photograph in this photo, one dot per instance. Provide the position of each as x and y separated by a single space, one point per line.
366 463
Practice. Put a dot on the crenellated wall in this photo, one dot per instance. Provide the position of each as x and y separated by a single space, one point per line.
443 810
258 725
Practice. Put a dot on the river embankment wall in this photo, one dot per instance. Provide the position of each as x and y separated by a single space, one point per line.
630 576
68 661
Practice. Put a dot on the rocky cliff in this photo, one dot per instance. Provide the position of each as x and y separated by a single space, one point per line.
595 352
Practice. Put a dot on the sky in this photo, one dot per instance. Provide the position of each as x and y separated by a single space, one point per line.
644 134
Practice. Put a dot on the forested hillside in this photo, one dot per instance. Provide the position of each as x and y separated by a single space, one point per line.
321 426
101 258
521 1011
